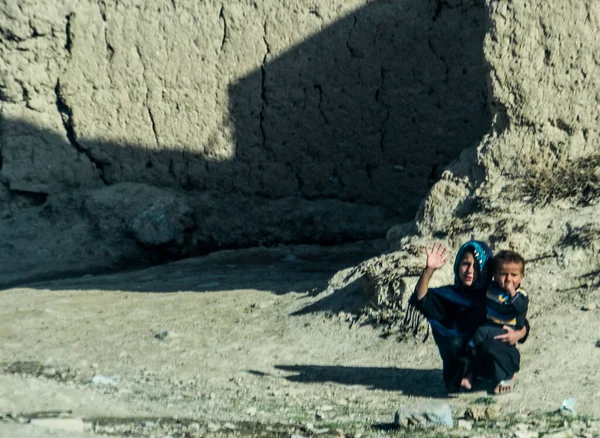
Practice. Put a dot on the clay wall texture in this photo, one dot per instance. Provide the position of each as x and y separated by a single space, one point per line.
356 101
142 131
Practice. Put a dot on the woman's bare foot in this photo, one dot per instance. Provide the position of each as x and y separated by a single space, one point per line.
506 386
467 382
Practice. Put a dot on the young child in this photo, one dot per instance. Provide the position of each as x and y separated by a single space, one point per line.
506 306
454 311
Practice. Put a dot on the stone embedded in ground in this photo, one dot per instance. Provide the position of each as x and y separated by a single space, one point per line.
521 430
70 424
568 407
251 411
481 412
103 381
431 413
162 335
464 424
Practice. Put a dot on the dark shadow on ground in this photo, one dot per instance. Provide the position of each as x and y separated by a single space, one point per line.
350 299
422 383
304 269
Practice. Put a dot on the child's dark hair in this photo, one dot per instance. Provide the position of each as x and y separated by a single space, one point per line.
508 256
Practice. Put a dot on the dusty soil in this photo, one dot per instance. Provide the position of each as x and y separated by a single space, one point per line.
250 341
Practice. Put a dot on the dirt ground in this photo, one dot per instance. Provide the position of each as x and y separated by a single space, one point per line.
249 337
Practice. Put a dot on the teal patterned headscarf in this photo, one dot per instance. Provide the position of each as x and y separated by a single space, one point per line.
483 255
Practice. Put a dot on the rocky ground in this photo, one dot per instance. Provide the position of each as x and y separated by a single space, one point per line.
254 343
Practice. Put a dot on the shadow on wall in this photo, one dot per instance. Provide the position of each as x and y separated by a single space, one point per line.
337 139
371 108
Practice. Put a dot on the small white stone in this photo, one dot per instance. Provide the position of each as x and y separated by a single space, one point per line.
49 372
213 427
70 424
464 424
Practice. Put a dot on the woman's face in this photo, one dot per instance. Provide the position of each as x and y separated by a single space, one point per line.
468 271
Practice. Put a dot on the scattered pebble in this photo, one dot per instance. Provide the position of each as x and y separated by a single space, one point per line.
213 427
464 424
149 424
568 407
103 380
161 336
49 372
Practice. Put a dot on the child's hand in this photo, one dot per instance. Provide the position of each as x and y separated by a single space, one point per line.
510 288
436 256
510 336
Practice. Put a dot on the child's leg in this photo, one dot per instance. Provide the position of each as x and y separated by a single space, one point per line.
485 333
482 334
454 361
497 361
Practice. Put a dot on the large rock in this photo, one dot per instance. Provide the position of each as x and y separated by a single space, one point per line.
163 222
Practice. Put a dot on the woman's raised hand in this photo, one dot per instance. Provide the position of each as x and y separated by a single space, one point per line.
436 256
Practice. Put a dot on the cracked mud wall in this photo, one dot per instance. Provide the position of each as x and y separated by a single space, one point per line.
319 98
532 184
272 123
544 70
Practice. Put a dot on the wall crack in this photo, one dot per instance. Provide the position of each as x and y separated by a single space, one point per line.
110 51
263 93
387 112
147 98
222 18
442 58
66 114
353 52
320 106
70 39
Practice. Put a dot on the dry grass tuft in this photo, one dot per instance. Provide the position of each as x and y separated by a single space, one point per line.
577 180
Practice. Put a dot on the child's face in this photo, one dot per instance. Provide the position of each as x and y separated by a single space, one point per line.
468 270
509 275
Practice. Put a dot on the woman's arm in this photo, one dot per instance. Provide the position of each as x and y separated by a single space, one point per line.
423 283
436 258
